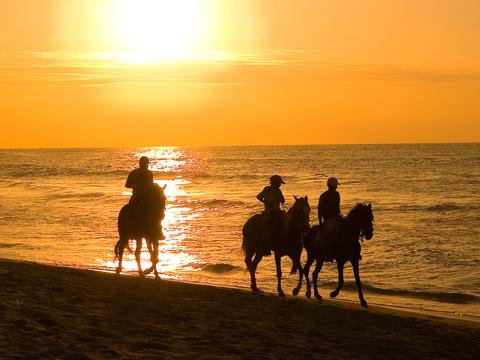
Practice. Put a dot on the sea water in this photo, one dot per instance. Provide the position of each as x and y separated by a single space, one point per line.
60 206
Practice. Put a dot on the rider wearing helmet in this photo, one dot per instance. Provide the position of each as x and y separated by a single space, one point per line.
329 202
271 196
329 216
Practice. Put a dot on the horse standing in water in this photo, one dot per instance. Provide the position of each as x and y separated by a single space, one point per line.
137 225
287 241
359 222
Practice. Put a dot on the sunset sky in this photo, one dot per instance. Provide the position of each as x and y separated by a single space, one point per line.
224 72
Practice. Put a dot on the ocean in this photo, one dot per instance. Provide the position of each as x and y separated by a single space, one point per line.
59 206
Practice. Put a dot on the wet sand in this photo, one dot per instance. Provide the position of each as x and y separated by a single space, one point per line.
64 313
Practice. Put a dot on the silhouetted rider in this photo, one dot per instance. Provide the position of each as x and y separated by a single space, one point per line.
329 216
148 198
271 196
329 202
140 181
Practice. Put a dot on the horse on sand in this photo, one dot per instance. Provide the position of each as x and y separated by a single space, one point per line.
142 223
286 240
346 247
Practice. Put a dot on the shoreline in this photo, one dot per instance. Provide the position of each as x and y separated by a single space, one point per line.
62 312
381 308
437 315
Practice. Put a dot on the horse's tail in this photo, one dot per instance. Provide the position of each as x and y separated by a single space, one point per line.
120 245
308 239
250 233
294 269
244 240
122 224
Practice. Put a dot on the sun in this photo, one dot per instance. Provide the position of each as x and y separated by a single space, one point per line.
154 30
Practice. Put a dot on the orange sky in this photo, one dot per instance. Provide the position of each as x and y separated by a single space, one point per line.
224 72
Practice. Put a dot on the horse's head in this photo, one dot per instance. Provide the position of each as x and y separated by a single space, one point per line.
362 215
301 209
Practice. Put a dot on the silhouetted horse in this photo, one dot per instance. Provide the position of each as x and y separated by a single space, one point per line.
359 222
286 240
141 223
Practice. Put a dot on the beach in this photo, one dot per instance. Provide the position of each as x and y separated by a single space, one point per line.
67 313
424 253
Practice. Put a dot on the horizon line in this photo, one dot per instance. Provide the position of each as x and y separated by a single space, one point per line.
233 145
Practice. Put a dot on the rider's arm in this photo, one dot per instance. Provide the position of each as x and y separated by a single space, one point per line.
320 210
282 199
337 203
130 181
261 196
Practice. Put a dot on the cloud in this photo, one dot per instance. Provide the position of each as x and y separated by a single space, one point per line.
280 66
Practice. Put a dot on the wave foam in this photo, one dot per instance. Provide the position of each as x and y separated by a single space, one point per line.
444 297
220 268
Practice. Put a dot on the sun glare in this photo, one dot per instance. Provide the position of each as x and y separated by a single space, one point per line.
147 31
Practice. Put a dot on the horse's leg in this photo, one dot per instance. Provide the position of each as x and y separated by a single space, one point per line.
152 246
150 251
155 258
318 267
248 261
340 265
297 263
118 270
252 268
278 264
138 251
356 272
306 270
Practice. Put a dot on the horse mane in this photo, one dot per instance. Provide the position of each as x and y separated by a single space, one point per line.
289 216
288 220
356 209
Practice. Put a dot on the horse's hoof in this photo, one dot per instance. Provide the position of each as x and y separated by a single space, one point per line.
364 303
118 270
147 271
157 276
281 294
308 294
318 297
256 290
295 291
140 274
333 294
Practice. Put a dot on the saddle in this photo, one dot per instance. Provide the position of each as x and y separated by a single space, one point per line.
327 236
272 228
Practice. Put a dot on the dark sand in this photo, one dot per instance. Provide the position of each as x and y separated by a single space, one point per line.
64 313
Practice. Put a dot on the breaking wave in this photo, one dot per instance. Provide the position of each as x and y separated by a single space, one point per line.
211 203
221 268
444 297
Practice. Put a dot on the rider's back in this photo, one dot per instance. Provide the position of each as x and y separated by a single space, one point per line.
329 204
139 180
271 197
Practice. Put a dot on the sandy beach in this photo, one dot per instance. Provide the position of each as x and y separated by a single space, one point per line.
55 312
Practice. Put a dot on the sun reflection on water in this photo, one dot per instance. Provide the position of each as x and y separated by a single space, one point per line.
165 159
169 164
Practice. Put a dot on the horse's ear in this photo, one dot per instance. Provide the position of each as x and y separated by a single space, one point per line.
164 186
295 197
369 205
306 197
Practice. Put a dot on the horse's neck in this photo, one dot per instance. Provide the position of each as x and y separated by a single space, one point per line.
352 227
290 220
